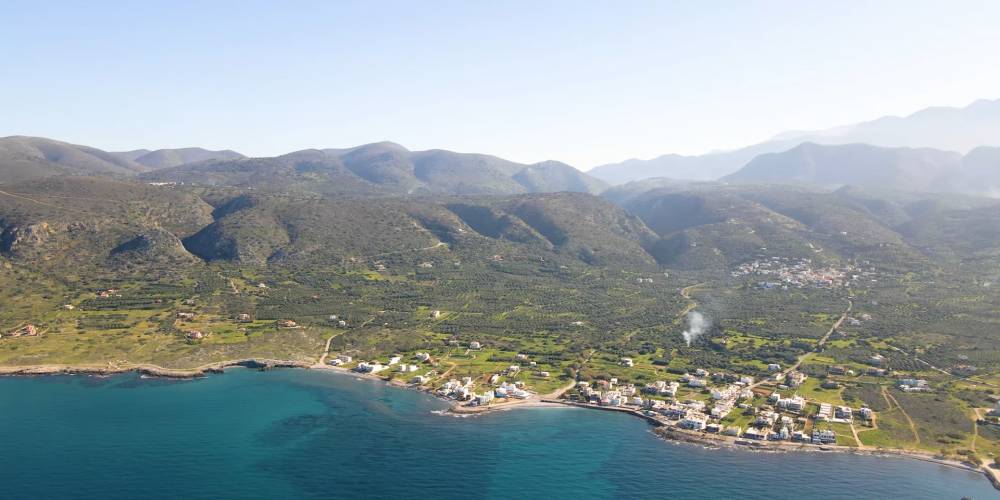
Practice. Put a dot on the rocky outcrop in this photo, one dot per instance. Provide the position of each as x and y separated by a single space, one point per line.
154 245
20 238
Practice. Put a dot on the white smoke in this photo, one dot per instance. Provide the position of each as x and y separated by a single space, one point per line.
697 324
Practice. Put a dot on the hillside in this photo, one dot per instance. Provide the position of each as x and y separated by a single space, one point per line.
715 227
164 158
81 222
23 158
384 168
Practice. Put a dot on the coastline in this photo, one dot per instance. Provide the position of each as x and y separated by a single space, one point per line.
665 432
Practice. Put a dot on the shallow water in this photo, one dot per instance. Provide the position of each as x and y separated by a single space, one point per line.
300 433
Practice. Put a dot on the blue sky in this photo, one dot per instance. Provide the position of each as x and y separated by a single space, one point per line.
583 82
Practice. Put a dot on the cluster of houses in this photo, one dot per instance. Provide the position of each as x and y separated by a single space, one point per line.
463 390
785 273
395 363
781 419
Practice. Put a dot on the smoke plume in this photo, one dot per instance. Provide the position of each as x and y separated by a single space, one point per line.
697 324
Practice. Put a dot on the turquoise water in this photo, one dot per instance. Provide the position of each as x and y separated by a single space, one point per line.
299 433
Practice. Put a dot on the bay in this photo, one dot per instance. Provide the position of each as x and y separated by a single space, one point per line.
314 434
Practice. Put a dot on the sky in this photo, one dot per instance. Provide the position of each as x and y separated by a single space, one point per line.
583 82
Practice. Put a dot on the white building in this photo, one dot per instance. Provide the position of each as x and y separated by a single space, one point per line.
372 367
825 436
793 404
843 412
693 421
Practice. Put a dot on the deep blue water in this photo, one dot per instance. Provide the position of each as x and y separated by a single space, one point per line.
298 433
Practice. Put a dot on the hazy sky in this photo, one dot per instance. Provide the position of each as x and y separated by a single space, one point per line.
583 82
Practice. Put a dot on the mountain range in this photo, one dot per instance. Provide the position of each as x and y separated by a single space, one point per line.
935 150
945 128
83 222
381 168
901 169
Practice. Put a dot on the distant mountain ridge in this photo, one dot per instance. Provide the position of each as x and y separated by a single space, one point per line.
164 158
385 168
894 169
25 158
382 168
945 128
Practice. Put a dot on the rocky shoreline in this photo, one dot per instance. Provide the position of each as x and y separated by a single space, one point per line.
149 369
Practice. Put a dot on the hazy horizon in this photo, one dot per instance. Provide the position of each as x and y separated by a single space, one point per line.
586 84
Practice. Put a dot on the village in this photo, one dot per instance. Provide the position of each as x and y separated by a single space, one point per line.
719 404
784 273
728 405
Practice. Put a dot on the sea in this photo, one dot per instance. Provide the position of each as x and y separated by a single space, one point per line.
315 434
